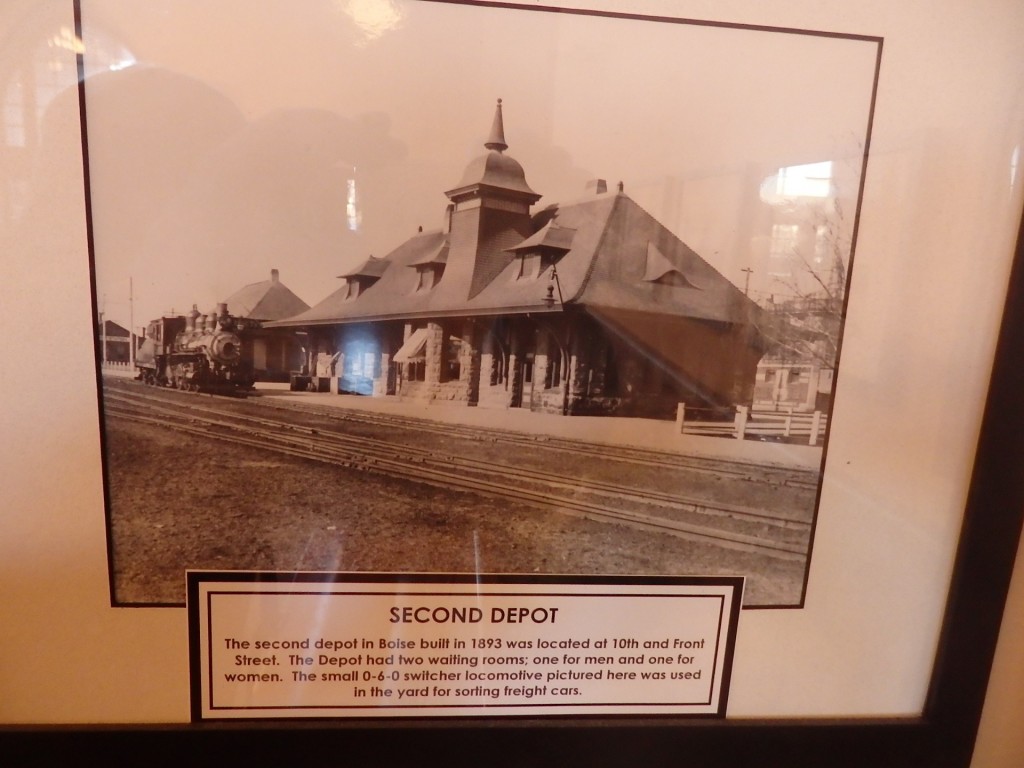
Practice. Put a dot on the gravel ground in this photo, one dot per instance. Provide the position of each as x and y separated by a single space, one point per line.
180 502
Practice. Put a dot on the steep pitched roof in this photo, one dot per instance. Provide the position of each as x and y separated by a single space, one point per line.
621 278
110 328
607 267
266 300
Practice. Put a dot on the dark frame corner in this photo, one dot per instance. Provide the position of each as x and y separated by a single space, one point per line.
943 737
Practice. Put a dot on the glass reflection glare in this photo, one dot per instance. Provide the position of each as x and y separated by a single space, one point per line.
353 215
27 91
799 181
67 40
373 17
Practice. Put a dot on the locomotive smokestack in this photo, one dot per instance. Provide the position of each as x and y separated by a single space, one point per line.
211 322
275 276
190 321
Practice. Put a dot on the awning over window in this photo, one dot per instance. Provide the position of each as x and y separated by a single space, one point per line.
413 347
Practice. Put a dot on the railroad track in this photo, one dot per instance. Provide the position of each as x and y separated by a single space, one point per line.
726 468
729 526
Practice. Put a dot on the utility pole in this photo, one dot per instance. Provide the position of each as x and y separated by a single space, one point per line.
131 325
746 284
103 328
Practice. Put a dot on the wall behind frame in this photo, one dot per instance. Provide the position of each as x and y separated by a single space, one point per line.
52 614
1000 738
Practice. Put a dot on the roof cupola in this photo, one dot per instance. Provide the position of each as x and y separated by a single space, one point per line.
494 174
490 213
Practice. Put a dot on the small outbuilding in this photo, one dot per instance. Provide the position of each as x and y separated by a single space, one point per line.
115 342
271 353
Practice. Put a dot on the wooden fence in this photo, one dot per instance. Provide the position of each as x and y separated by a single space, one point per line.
117 368
756 424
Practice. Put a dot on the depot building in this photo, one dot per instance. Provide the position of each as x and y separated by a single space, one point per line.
585 307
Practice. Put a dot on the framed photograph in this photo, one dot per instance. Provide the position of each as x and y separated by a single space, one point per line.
648 348
409 329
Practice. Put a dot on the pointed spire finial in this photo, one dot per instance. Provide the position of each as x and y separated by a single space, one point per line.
496 140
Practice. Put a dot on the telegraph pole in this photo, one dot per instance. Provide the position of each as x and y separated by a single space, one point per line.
103 328
746 284
131 325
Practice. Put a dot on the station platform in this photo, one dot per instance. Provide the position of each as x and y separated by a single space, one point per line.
642 433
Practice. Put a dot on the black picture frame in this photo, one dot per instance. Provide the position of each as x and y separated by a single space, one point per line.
941 737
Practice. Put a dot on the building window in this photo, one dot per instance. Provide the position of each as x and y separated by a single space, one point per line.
783 249
501 341
453 359
553 378
428 275
528 368
425 279
784 240
530 266
499 371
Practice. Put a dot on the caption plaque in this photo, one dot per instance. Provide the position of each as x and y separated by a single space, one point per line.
287 645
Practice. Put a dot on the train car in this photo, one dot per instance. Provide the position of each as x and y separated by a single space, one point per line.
196 353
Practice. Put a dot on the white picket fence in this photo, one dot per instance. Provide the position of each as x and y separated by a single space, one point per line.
112 368
749 424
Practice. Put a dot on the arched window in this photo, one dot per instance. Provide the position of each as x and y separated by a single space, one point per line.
556 372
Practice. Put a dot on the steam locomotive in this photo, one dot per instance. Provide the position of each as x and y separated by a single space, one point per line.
196 353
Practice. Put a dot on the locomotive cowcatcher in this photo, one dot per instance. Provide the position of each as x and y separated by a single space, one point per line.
196 353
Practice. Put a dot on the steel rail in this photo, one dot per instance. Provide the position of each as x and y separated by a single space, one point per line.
398 465
653 497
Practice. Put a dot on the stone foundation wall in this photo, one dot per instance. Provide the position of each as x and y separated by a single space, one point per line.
465 389
429 391
548 401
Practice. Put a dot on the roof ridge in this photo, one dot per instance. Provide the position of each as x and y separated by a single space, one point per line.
597 248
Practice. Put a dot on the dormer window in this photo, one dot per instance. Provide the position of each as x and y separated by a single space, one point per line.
428 275
541 250
530 266
358 285
430 268
363 277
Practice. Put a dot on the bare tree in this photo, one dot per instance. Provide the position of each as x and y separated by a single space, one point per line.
804 316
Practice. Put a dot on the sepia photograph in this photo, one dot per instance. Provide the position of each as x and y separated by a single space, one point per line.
438 287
